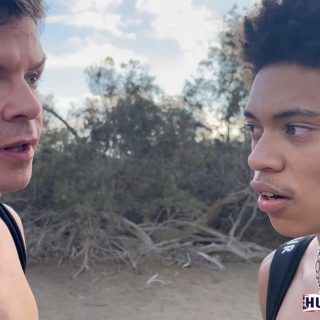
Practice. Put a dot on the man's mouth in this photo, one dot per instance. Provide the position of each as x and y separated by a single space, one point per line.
272 199
17 148
271 196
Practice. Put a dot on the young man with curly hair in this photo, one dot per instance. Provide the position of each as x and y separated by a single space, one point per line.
21 65
281 47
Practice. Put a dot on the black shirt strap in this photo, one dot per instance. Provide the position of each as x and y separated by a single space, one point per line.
15 231
282 270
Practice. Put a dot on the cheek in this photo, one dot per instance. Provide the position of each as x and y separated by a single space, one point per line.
304 166
308 181
40 122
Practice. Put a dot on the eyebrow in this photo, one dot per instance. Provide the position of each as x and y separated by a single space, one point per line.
290 113
36 65
40 63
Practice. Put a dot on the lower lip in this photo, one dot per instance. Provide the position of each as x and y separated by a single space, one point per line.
17 157
271 206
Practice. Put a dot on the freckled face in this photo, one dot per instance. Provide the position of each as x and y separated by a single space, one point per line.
283 116
21 64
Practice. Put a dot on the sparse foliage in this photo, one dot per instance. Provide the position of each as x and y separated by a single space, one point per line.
132 177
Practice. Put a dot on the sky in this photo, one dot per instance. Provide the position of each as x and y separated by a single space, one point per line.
170 36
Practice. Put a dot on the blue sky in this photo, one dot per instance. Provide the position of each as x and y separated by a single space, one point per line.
171 36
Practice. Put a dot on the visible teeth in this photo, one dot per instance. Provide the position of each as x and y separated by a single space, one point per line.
267 194
15 149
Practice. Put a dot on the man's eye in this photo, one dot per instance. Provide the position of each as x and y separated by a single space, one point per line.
296 130
32 80
253 129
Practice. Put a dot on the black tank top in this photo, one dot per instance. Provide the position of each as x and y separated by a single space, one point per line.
282 270
14 229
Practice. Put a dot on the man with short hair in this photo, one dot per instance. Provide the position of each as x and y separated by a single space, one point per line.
281 47
21 64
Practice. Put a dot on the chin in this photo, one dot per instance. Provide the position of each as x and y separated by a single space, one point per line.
15 182
14 187
290 230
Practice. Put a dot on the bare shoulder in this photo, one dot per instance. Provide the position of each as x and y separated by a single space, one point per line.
16 298
263 278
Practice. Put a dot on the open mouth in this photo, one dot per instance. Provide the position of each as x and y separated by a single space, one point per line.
271 196
17 149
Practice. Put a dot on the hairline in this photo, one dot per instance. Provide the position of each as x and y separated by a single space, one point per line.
36 12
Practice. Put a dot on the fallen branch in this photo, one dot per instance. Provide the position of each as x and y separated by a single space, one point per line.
138 232
210 259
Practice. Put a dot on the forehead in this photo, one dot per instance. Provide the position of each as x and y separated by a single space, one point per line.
285 86
19 43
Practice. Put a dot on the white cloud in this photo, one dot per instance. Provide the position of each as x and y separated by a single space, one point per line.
75 6
91 50
171 82
63 103
76 41
191 26
84 5
95 14
96 20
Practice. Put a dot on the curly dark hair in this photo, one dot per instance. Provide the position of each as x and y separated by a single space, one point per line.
282 31
15 9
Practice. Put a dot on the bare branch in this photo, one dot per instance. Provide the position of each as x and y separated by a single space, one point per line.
54 113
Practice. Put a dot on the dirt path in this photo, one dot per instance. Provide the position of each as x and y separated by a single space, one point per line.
175 294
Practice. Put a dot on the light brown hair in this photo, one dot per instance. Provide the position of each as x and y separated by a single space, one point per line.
16 9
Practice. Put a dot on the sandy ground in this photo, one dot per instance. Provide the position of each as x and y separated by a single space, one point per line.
188 294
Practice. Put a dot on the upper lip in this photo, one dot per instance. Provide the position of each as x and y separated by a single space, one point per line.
18 142
261 187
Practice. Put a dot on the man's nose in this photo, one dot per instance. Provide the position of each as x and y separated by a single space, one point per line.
266 155
21 102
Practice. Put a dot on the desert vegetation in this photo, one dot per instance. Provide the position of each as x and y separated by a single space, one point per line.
135 173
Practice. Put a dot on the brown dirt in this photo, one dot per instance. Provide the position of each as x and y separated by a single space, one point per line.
188 294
